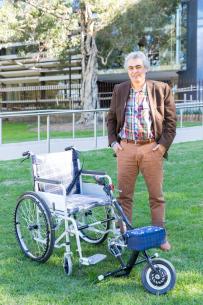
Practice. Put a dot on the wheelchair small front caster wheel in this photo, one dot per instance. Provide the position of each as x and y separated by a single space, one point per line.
67 265
160 280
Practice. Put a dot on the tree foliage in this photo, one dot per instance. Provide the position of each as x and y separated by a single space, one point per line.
50 24
116 25
55 24
96 28
130 30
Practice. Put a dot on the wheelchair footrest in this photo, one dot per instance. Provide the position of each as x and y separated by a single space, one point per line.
92 260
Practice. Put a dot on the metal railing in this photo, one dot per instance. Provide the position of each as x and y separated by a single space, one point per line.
180 107
48 114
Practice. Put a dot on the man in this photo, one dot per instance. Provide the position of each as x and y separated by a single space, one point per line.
141 127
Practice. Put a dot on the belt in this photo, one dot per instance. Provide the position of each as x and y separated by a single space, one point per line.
140 142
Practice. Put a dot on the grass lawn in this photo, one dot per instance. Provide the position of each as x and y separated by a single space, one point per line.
24 282
189 123
23 131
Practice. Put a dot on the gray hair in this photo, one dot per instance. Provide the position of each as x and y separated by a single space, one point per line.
134 55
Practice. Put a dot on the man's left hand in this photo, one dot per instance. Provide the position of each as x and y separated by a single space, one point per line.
160 147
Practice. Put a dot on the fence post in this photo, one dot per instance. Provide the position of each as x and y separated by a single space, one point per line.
201 99
103 123
202 116
38 127
181 118
1 131
48 133
185 97
73 123
95 129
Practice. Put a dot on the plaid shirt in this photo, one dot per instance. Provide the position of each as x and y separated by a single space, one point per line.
138 122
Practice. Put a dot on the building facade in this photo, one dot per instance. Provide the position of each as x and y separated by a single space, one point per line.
166 60
194 41
48 83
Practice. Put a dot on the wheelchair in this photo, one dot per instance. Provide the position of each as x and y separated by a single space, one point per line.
68 202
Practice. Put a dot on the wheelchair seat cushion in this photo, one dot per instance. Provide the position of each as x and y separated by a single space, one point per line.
74 203
78 202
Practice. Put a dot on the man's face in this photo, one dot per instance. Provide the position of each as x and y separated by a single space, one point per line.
136 71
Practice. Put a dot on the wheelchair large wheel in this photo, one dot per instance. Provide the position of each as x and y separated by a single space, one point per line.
93 224
160 280
33 227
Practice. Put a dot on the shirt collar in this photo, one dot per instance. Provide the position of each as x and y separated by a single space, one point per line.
143 89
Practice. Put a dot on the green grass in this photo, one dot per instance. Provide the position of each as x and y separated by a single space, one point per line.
189 124
24 282
23 131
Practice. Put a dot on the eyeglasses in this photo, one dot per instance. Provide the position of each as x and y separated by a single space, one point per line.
137 68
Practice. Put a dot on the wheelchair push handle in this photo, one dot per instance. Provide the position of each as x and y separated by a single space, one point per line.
69 148
76 153
26 154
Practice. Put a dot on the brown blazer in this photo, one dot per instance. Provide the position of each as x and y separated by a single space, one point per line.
162 110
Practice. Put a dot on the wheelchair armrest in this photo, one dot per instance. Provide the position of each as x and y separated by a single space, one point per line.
98 176
48 181
93 173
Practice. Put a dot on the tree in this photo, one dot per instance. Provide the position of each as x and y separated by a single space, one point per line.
101 28
58 26
144 25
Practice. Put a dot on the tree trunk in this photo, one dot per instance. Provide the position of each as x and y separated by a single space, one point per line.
89 92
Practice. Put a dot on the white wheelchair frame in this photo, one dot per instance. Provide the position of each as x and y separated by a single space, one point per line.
55 201
71 227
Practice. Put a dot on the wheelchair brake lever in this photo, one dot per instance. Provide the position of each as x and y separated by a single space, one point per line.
100 180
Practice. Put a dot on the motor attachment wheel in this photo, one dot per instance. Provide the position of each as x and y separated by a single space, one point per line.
161 278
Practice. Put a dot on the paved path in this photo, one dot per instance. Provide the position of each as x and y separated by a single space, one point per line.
14 150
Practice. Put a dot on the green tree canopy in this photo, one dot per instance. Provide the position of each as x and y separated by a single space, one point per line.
129 30
104 28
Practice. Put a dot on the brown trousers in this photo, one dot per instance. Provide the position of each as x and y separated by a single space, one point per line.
135 158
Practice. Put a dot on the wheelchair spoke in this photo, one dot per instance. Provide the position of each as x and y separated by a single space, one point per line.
33 227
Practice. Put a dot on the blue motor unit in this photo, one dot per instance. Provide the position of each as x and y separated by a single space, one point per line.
144 238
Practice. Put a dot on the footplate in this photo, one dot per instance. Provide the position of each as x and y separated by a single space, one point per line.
92 260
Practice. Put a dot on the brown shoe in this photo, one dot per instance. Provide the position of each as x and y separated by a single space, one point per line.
165 246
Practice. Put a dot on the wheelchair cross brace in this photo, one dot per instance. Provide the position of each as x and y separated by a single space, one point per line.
125 269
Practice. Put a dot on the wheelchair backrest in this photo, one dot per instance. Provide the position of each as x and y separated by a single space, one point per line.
60 166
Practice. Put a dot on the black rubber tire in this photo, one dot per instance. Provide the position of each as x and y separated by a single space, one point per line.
68 267
159 282
32 221
99 213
